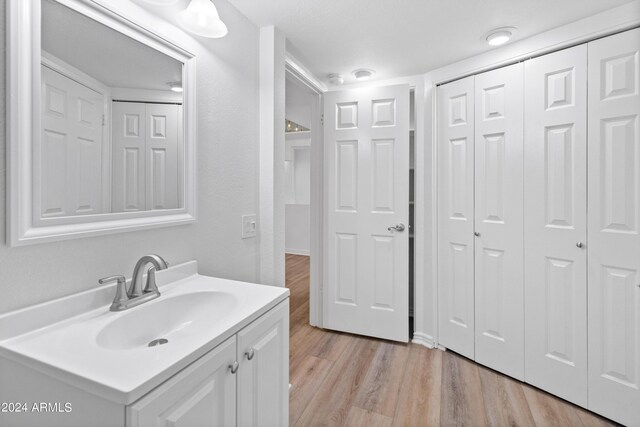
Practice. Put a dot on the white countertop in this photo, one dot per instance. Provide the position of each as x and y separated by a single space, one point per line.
67 348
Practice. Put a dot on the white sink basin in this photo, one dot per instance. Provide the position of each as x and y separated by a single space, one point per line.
172 319
79 341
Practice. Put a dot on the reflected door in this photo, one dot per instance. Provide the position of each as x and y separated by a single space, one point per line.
614 227
367 181
555 223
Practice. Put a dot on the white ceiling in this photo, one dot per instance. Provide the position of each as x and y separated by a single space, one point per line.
404 37
101 52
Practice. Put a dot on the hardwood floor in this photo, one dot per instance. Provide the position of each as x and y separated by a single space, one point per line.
340 379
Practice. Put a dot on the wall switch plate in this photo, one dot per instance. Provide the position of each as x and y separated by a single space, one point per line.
249 226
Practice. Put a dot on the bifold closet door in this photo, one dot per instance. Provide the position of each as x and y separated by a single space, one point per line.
455 216
499 312
614 227
555 223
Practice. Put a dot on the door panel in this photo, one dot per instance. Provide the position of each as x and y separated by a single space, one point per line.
367 161
555 223
456 216
499 217
128 156
70 165
162 156
203 394
614 218
263 353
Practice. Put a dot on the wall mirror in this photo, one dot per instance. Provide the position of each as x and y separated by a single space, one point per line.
101 122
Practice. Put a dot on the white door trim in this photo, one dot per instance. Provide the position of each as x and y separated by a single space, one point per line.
300 74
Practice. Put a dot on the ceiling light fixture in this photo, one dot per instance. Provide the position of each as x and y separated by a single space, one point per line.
175 86
335 79
363 74
499 36
162 2
201 18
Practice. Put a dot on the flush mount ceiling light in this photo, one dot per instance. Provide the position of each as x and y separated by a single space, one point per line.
363 74
499 36
175 86
335 79
201 18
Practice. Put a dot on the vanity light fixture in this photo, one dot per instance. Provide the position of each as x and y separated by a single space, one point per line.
175 86
201 18
335 79
500 36
363 74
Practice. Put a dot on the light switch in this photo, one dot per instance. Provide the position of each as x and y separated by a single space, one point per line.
249 226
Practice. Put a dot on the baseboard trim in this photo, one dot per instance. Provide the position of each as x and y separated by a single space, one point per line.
304 252
424 339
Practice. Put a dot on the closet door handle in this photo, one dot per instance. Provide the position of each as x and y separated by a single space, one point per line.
579 244
234 367
476 233
399 227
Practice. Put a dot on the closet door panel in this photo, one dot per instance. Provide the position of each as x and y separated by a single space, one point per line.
455 216
555 223
614 227
499 311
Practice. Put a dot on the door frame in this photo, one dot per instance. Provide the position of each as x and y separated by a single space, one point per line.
316 202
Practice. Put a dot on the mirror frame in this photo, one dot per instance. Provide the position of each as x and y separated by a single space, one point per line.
23 105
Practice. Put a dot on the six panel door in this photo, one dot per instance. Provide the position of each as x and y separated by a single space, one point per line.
455 216
555 223
367 193
614 227
499 310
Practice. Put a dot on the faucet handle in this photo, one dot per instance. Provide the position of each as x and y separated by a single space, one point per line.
151 281
121 289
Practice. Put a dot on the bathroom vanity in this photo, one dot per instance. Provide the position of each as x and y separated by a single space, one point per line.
208 351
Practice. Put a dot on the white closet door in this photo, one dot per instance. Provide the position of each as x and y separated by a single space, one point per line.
455 216
128 156
367 191
614 227
162 156
555 223
499 280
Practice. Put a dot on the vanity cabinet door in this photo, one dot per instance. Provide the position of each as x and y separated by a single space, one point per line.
263 377
203 394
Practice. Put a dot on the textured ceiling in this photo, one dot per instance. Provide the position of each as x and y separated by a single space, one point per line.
404 37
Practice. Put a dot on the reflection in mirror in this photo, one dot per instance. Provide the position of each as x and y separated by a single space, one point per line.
111 122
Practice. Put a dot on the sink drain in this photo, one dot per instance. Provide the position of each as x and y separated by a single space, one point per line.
159 341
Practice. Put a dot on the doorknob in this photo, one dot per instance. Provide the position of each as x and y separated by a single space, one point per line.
476 233
579 244
399 227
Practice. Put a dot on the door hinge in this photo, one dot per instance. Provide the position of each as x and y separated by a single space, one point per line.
322 120
103 120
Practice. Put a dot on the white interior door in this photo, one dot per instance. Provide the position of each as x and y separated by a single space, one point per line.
456 216
128 156
555 223
69 158
614 227
499 217
367 191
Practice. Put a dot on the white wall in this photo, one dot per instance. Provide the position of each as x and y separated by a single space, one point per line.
298 234
297 193
227 153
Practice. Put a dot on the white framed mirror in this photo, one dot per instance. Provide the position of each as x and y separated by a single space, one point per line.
100 124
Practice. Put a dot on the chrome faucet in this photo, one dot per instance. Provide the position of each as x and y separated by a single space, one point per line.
135 295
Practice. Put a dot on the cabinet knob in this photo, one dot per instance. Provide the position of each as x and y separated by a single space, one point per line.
234 367
477 234
249 354
579 244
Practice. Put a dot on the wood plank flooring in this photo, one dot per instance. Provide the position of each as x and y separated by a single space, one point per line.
340 379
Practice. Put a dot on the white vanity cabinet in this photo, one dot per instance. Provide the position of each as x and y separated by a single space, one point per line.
209 393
